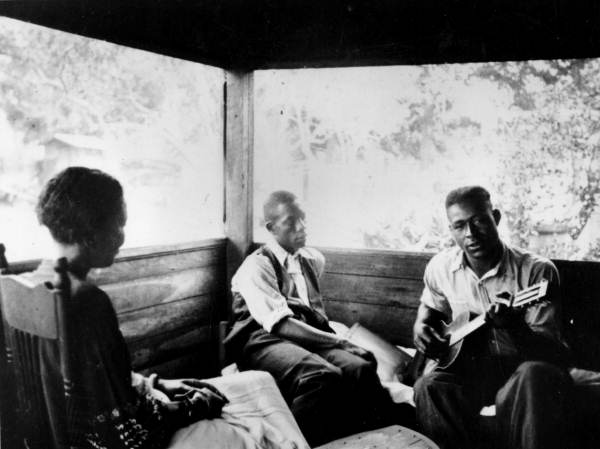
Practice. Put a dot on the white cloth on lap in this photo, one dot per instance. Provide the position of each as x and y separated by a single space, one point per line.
256 417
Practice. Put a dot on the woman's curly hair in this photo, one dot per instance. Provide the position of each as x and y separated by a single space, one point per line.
78 202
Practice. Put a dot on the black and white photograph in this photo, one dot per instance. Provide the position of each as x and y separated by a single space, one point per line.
295 224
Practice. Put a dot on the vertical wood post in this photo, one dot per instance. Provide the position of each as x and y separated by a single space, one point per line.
239 135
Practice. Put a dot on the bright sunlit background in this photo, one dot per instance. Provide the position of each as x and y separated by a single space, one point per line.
153 122
373 151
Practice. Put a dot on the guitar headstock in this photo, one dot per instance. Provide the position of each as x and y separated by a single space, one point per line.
529 295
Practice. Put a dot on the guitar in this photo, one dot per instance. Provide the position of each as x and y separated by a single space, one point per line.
461 326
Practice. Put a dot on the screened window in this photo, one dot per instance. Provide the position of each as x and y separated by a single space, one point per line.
373 151
153 122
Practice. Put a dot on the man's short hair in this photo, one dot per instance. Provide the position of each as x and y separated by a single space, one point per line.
476 195
274 200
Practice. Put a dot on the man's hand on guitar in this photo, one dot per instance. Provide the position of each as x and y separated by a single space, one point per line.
429 341
501 316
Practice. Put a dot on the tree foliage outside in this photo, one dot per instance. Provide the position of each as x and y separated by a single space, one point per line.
373 151
154 122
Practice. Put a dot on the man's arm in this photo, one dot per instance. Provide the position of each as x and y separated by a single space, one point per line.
310 337
306 335
434 309
538 328
257 283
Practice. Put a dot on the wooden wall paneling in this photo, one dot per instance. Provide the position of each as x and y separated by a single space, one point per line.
379 289
199 310
380 263
393 324
210 249
383 291
167 304
193 364
167 346
154 291
128 268
238 169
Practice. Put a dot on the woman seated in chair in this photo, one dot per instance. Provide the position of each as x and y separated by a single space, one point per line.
112 407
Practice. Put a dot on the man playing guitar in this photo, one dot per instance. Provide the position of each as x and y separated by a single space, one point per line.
516 361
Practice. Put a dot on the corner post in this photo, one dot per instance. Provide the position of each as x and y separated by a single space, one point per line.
239 137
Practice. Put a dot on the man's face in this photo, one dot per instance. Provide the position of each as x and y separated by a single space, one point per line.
288 227
474 228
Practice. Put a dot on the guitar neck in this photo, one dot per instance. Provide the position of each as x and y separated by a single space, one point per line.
523 298
471 326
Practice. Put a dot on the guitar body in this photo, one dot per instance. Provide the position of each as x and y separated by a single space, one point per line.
462 325
450 357
454 348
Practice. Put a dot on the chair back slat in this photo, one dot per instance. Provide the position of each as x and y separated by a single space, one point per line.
28 307
30 404
61 289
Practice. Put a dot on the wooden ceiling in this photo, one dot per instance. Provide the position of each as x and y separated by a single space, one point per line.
250 34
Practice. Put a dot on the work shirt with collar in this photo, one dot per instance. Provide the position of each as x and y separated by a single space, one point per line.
256 281
452 287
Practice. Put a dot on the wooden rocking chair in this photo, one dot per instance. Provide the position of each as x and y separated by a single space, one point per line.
33 313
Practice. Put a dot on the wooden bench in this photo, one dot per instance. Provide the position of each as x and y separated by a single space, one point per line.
170 301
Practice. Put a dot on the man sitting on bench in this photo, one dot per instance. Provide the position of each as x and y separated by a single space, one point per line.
280 326
517 361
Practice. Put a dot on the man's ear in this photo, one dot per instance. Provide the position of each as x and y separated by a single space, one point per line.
497 216
269 226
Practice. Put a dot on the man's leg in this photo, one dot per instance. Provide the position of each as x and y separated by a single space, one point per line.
370 402
311 386
586 406
531 407
447 409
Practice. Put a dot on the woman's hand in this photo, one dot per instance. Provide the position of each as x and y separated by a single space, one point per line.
177 389
205 403
197 404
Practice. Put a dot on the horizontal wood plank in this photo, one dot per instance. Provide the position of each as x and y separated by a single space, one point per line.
157 265
142 253
171 248
389 292
160 348
200 363
151 291
198 310
395 325
376 263
379 289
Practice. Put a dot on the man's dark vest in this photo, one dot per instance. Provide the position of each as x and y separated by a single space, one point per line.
243 323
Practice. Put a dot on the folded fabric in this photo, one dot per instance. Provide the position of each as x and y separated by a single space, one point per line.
256 417
391 360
